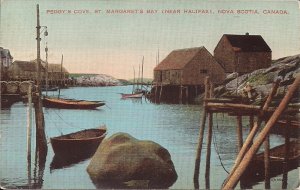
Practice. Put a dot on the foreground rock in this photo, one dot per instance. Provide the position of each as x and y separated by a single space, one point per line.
124 160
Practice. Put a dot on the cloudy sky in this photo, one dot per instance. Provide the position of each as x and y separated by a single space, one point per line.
95 41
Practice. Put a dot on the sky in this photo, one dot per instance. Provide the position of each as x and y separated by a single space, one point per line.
115 42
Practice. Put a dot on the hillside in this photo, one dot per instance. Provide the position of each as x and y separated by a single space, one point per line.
96 80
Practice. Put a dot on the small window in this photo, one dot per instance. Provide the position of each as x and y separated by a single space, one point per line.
203 71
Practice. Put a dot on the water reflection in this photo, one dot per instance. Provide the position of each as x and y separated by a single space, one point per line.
65 162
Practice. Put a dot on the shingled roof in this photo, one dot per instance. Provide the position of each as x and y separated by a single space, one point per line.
56 68
27 66
248 43
177 59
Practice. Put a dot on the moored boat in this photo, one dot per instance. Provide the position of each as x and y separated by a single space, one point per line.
255 171
71 103
135 95
81 144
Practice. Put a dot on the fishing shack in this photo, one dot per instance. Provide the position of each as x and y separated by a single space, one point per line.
243 53
24 70
180 76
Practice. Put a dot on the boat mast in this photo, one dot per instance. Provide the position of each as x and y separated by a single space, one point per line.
62 59
139 77
142 73
46 50
133 87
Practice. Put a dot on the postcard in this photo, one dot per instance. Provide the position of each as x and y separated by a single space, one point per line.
149 94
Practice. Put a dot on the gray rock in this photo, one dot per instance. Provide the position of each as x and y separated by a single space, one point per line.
122 159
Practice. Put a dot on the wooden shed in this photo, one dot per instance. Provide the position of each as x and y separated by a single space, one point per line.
24 70
188 67
243 53
56 72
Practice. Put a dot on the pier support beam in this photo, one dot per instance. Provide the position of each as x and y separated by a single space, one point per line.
267 162
286 156
249 140
208 153
231 183
200 140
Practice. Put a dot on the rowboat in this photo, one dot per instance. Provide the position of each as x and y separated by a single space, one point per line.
71 103
255 171
81 144
136 95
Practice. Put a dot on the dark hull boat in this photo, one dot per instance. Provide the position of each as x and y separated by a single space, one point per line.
255 171
71 103
81 144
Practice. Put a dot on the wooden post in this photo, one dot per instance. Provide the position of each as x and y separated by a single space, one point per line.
251 125
187 94
29 126
239 131
267 162
208 153
180 94
161 89
231 183
209 138
41 142
155 93
200 140
249 139
286 154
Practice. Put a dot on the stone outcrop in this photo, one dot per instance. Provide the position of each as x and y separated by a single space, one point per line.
286 69
124 160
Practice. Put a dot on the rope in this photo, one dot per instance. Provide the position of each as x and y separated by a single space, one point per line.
217 151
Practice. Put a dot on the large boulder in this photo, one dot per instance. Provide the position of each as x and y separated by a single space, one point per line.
122 159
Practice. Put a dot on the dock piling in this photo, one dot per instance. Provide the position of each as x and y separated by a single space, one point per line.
286 152
267 162
250 137
200 139
231 183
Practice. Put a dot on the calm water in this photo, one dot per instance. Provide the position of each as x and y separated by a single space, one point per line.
173 126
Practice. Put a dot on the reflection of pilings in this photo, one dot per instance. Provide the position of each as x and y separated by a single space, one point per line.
208 150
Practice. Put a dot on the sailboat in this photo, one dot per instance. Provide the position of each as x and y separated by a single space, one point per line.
136 91
53 102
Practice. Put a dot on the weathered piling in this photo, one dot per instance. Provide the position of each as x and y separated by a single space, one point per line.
41 142
209 138
239 132
29 126
231 183
160 93
286 152
200 139
267 162
250 137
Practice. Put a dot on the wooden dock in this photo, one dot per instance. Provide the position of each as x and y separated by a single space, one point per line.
281 115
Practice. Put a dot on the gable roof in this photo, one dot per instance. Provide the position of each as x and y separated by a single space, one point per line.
177 59
248 43
56 68
52 67
27 66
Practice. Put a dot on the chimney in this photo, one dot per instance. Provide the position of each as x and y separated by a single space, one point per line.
247 34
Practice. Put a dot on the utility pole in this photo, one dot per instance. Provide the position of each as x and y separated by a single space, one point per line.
41 142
